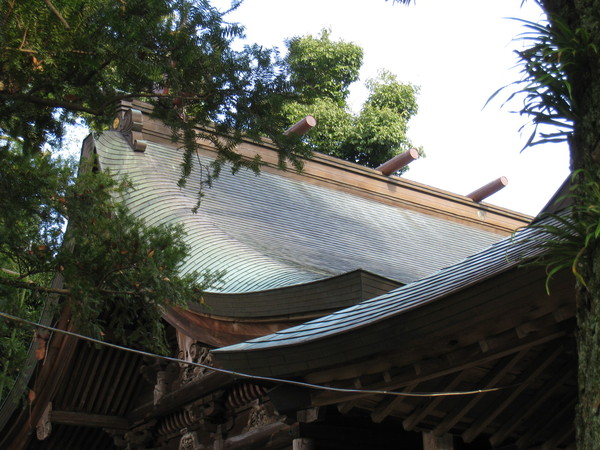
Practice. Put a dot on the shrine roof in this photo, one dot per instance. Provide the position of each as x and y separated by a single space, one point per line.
284 228
366 318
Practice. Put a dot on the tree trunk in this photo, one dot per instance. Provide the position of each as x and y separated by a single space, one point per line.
583 18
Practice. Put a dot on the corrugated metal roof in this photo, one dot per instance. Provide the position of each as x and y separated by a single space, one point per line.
270 231
498 258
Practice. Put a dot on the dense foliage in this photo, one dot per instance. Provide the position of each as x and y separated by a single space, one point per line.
74 58
320 72
118 273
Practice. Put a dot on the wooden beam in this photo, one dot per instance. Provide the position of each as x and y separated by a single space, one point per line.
303 444
491 380
526 378
56 365
346 407
387 405
398 162
564 434
471 357
428 405
494 326
187 394
81 419
551 418
491 188
124 392
277 432
433 442
546 391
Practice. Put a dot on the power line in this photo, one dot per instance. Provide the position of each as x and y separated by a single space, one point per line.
252 377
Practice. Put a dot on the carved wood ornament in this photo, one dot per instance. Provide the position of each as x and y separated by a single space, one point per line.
130 124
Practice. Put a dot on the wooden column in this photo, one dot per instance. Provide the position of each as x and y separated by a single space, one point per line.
303 444
433 442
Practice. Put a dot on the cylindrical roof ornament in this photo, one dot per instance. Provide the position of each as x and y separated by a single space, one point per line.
302 126
398 162
489 189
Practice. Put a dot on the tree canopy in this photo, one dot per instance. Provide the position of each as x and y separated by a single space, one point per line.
64 59
61 60
320 72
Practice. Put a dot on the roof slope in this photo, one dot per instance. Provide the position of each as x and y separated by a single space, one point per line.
280 228
500 257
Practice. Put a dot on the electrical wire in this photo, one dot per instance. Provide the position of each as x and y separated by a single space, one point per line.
242 375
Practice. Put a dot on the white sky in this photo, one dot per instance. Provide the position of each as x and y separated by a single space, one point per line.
459 53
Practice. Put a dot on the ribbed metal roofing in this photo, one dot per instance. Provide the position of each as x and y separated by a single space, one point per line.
498 258
271 231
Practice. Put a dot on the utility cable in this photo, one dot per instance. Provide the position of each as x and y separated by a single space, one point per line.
242 375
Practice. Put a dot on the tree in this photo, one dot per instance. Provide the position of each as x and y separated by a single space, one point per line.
562 90
61 60
65 59
320 72
118 273
573 38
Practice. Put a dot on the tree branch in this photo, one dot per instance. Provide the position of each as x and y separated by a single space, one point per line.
72 106
57 14
32 286
48 290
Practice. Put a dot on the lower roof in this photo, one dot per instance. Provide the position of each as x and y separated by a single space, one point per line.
367 317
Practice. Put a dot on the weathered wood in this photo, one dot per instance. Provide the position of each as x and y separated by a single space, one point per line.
346 407
56 365
303 444
258 439
550 419
444 368
433 442
491 380
75 418
500 305
388 404
525 379
187 394
125 392
428 405
566 373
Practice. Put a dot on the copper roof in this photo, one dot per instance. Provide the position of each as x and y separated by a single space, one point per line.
280 228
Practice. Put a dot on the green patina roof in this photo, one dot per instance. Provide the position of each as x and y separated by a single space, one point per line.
273 230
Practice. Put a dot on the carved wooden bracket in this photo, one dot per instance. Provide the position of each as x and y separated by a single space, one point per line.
44 426
260 416
189 441
130 124
140 436
193 351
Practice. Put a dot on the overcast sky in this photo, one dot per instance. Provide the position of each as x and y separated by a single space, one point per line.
459 53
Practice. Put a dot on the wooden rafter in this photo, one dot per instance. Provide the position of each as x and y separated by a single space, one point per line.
551 418
76 418
526 378
388 404
491 380
428 405
566 372
470 357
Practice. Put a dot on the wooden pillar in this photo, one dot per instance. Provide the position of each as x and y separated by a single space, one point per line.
303 444
433 442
